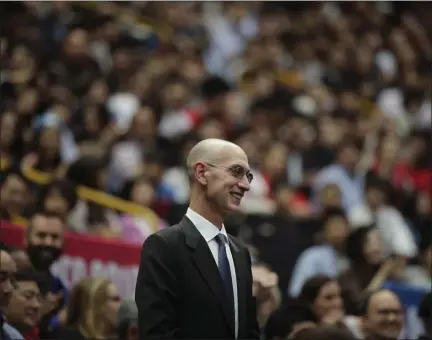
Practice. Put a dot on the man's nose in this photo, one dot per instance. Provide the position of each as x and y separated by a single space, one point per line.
48 241
244 184
35 303
391 317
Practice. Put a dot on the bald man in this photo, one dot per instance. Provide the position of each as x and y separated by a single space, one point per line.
7 273
194 280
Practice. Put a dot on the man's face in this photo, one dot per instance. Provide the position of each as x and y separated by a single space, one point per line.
7 273
13 194
349 157
384 318
25 306
45 241
226 180
336 230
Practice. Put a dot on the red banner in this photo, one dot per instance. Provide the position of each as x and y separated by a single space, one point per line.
88 256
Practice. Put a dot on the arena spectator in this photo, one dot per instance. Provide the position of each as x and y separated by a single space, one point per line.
324 333
44 244
57 198
15 197
286 321
382 316
24 310
135 229
92 311
7 280
325 259
323 296
265 290
127 327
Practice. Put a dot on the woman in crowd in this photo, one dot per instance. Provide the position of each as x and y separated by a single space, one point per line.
136 228
369 269
92 310
322 295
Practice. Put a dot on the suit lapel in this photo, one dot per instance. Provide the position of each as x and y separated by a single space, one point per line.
203 259
240 265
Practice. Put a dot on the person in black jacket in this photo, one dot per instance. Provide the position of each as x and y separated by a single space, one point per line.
195 280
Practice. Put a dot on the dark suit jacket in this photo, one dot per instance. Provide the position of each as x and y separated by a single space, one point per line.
179 291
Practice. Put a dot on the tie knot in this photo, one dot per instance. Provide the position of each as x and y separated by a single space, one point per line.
221 239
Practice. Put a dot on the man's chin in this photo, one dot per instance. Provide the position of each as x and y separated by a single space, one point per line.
233 208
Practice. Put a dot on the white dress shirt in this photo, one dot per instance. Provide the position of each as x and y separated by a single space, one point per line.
209 231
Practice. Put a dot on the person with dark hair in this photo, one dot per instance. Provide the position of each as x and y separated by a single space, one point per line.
323 296
136 228
324 333
89 216
25 306
365 253
324 259
425 314
214 91
44 245
286 321
344 173
396 234
382 315
58 198
15 195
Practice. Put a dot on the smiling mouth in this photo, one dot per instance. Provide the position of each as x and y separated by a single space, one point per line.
237 196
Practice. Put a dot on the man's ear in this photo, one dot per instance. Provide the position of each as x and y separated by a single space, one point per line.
200 172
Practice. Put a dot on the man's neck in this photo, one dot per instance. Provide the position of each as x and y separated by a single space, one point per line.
205 211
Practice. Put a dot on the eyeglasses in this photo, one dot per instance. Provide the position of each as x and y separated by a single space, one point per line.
236 171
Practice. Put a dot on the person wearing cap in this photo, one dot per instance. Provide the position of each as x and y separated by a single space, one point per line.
127 321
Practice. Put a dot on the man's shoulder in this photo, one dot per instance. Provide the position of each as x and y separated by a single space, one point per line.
12 332
170 234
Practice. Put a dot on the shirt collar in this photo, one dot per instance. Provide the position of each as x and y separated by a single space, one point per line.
207 229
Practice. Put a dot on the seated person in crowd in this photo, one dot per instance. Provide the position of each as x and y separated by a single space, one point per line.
127 321
324 259
324 333
382 316
44 244
25 306
286 321
322 295
7 274
92 311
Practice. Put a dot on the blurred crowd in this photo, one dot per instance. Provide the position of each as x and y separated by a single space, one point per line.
330 101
